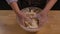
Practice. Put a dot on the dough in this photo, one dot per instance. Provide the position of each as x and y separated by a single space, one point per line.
33 20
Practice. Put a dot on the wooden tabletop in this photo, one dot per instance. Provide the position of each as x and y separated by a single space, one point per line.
9 25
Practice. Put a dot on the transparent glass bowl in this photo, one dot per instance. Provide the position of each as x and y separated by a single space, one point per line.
36 11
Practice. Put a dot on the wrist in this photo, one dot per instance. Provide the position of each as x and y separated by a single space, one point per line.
45 11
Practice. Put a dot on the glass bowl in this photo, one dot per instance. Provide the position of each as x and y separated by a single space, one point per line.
34 25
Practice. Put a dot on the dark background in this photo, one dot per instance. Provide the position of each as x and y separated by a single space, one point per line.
5 6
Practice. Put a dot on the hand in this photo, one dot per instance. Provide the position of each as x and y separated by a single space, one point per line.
42 16
21 15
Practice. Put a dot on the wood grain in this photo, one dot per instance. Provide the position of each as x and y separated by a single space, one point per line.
9 25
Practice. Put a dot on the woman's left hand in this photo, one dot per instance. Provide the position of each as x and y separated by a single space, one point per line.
42 16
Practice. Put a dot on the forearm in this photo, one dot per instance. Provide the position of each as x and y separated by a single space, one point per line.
13 4
15 7
49 5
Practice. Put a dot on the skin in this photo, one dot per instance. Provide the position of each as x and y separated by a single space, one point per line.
44 12
48 6
15 7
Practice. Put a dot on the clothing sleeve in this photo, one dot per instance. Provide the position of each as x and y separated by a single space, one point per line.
10 1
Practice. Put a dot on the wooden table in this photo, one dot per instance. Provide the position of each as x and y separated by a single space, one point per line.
9 25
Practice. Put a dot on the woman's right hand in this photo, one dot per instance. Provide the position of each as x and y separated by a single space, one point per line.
22 16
